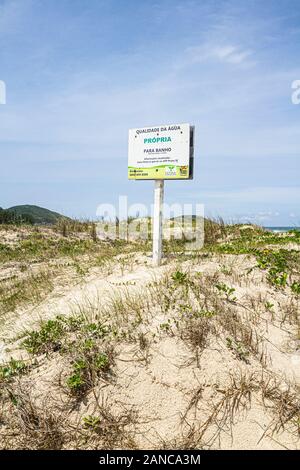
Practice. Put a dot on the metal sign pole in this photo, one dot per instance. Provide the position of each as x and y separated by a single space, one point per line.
157 221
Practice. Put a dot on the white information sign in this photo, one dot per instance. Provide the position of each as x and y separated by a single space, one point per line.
160 152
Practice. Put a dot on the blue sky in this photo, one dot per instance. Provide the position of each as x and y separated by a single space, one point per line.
79 74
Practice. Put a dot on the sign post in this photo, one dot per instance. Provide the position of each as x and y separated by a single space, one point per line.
158 221
159 153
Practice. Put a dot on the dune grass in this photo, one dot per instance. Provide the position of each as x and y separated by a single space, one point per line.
94 348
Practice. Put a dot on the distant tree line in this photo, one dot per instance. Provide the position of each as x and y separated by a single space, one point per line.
11 217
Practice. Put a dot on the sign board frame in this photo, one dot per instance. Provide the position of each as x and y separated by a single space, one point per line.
164 152
178 138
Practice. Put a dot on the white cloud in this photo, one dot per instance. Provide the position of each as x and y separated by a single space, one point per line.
265 194
219 102
231 54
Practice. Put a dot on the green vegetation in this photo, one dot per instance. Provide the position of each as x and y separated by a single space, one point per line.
50 334
296 287
179 278
85 370
91 422
269 306
276 263
48 338
204 314
39 247
36 214
101 362
267 247
80 340
228 291
91 365
77 381
279 265
11 217
11 369
238 349
28 290
250 241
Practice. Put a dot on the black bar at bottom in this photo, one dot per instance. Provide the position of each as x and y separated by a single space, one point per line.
145 459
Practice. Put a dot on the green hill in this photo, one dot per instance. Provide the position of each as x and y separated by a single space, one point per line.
38 215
